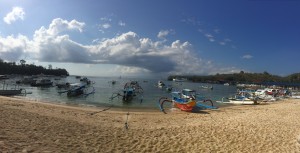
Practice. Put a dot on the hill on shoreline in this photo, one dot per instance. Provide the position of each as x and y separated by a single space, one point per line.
242 77
7 68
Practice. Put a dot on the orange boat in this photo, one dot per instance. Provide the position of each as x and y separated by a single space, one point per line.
184 103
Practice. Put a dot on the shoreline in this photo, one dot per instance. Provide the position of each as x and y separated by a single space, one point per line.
102 106
29 126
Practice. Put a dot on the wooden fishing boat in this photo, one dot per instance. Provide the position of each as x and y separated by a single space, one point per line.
42 83
186 102
130 90
241 101
243 97
78 89
10 92
160 84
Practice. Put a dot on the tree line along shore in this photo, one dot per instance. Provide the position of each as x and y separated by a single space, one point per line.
7 68
264 78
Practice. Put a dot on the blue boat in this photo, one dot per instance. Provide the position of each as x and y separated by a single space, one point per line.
130 90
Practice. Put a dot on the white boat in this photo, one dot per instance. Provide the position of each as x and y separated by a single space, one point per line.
295 95
243 102
188 93
160 84
239 101
244 97
179 80
207 87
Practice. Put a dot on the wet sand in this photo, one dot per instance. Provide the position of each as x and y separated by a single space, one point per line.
28 126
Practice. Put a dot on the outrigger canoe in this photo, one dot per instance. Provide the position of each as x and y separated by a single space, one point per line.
185 104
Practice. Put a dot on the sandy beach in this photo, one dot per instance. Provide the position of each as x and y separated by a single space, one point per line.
29 126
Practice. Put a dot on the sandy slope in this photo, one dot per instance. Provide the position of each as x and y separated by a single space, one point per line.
38 127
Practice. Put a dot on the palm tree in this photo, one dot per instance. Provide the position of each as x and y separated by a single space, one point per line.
22 61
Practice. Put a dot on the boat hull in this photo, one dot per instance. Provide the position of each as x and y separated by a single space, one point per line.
188 106
10 92
242 102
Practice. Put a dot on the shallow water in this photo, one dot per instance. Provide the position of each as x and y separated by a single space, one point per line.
104 90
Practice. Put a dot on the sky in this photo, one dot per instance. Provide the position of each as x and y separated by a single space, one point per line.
153 37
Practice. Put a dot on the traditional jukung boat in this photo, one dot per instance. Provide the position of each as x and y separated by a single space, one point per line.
130 90
160 84
242 97
207 87
241 101
188 94
63 85
78 89
86 80
186 102
10 92
42 83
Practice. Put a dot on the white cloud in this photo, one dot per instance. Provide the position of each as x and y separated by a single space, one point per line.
106 19
126 70
162 34
247 56
132 53
58 25
13 48
209 31
105 25
210 37
14 15
122 24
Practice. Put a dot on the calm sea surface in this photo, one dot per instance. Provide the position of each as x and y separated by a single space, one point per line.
104 90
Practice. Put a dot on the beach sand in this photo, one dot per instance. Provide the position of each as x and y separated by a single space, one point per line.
28 126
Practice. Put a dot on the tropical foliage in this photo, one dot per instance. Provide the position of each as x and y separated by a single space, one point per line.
242 77
29 69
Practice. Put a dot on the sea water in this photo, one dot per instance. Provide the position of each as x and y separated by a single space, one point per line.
104 89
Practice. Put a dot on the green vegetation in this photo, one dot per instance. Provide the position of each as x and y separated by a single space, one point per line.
242 77
29 69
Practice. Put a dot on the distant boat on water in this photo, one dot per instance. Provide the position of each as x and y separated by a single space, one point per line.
42 83
207 87
2 77
179 79
10 92
160 84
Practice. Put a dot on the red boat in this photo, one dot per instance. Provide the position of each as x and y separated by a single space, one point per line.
185 104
